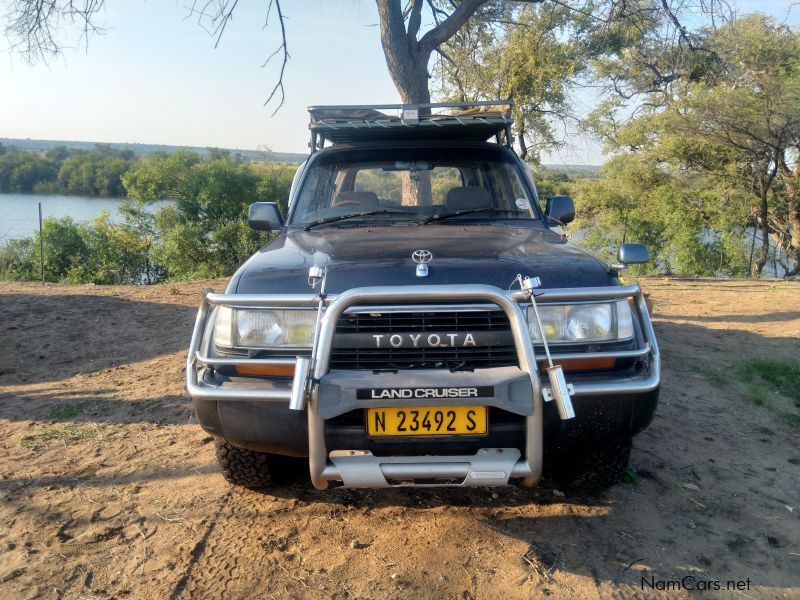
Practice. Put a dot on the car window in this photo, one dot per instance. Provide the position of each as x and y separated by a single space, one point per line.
388 185
424 182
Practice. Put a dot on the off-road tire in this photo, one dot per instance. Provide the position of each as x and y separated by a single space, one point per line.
243 467
594 468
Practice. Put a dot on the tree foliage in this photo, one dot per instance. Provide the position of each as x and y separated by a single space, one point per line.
60 170
637 200
703 122
205 232
733 124
534 59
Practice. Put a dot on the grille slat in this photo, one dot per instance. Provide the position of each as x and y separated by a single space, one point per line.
454 321
457 358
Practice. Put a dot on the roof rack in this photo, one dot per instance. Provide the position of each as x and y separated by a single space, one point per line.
472 121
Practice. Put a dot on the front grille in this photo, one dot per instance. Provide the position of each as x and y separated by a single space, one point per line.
392 359
453 358
392 322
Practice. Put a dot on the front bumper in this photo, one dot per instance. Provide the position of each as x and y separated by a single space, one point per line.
269 427
256 414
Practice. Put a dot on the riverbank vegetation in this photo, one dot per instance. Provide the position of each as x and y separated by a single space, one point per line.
63 170
715 158
202 233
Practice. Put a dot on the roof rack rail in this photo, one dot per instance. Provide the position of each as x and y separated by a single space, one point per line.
474 121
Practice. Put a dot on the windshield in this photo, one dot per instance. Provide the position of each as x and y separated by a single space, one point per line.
413 184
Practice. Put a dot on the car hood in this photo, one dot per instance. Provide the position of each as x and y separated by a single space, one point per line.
371 255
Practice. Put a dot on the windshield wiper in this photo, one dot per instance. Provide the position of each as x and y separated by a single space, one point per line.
366 213
468 211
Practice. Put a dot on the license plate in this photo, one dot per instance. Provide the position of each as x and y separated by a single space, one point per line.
427 420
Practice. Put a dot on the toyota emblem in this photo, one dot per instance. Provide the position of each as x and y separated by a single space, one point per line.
422 257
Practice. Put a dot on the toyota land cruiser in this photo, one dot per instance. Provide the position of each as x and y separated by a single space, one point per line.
420 318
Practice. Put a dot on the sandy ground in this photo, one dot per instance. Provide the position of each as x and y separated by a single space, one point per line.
110 489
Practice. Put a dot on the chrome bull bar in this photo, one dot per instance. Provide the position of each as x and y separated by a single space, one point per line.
364 470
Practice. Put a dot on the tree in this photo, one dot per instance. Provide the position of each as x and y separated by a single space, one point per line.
534 59
22 171
673 213
738 124
97 172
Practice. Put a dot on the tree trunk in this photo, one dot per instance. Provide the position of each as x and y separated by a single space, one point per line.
416 188
793 247
763 224
523 147
406 60
791 182
412 84
406 56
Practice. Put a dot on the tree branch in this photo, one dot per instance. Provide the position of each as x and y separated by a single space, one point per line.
447 57
678 25
448 28
284 49
393 30
33 25
414 20
437 12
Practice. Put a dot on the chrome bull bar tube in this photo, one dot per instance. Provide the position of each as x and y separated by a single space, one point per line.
529 466
195 360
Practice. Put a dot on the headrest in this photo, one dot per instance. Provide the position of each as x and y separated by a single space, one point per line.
465 198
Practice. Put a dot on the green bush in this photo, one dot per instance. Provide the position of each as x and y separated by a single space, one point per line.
674 215
96 252
205 232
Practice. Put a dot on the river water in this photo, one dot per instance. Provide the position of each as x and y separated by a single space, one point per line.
19 213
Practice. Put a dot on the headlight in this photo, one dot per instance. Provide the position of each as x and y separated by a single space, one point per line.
581 323
259 328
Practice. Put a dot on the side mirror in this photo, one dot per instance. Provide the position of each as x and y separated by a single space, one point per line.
265 216
560 208
632 254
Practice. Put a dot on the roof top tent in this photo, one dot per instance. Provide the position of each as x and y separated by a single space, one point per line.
466 121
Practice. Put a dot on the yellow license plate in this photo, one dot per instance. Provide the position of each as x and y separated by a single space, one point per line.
427 420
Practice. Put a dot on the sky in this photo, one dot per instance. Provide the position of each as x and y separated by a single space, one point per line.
155 77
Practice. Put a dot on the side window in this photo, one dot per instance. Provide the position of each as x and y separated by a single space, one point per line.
531 181
516 188
516 185
295 180
317 188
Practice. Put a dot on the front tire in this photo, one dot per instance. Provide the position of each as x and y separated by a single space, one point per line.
594 468
242 467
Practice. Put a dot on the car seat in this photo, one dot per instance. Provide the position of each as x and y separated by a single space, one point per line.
467 198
